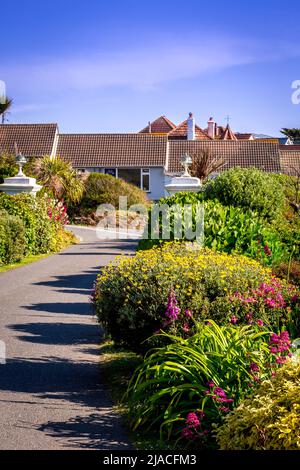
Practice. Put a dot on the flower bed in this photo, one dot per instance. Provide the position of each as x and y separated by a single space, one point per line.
186 389
131 295
34 225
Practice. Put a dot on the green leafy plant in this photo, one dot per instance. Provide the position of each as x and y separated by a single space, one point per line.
58 178
42 218
269 420
12 238
226 228
104 189
188 386
8 166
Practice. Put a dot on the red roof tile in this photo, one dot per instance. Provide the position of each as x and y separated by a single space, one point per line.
228 134
236 153
32 139
290 160
180 132
161 125
243 136
112 150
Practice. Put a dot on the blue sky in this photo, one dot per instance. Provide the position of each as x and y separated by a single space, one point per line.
112 66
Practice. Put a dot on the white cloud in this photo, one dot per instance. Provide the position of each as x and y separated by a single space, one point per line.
145 66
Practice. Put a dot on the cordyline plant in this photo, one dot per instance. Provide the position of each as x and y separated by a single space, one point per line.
187 387
205 163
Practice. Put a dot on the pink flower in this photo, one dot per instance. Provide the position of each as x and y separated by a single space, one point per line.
267 250
192 421
254 367
225 409
259 323
188 314
211 384
186 328
281 359
172 308
188 434
234 320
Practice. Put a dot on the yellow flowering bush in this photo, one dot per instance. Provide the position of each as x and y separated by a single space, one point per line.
131 294
270 420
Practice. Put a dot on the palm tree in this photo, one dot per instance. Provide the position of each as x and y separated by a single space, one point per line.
293 134
58 178
205 163
4 107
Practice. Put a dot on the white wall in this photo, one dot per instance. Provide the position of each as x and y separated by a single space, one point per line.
157 183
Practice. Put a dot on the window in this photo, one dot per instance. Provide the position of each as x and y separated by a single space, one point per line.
137 176
145 177
130 175
110 171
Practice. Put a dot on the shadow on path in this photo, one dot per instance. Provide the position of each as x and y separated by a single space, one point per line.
58 333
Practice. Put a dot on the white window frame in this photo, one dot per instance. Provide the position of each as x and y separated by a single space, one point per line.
144 171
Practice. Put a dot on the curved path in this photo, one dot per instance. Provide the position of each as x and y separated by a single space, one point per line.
51 395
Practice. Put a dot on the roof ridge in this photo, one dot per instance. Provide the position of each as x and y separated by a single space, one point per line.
30 124
137 134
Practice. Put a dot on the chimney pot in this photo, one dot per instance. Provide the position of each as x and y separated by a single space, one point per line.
211 128
191 132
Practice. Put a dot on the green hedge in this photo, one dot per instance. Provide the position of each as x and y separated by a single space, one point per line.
40 231
12 238
249 188
31 226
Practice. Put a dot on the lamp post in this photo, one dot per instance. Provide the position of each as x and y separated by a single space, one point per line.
21 161
186 161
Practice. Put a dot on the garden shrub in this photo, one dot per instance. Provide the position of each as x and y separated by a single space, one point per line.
12 238
187 387
8 166
40 231
250 188
269 420
41 219
105 189
131 293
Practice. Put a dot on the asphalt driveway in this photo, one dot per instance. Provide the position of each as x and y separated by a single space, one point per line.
51 393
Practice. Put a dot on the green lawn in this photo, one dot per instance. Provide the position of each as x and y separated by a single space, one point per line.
29 259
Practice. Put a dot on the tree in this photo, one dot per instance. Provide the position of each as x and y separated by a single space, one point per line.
205 163
4 107
58 178
293 134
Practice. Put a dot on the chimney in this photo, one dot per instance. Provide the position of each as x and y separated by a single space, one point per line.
211 128
150 128
191 134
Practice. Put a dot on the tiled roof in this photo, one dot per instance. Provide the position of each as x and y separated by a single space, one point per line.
32 139
161 125
228 134
290 159
289 148
180 132
243 136
236 153
112 150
